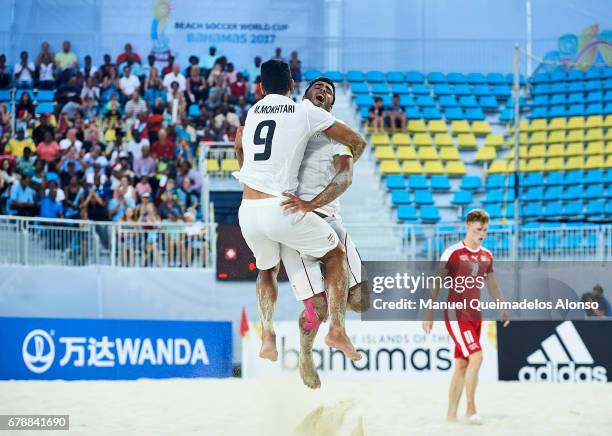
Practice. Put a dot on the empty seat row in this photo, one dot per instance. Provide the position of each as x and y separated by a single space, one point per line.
560 75
40 96
568 88
551 164
452 168
561 150
574 98
562 123
571 111
418 182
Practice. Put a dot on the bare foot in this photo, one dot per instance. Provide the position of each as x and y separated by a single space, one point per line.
451 418
268 347
337 338
309 373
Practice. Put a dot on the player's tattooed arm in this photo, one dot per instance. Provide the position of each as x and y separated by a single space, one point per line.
496 293
343 134
238 146
336 187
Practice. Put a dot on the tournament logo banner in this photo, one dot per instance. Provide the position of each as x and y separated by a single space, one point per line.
556 352
84 349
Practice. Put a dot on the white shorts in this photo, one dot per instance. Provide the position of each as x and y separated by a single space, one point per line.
305 273
265 226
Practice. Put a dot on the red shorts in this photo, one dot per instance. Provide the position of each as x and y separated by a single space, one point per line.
465 335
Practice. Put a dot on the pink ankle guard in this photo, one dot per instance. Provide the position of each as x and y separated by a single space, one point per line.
312 321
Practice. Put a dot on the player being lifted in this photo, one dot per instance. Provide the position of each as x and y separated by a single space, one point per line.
273 142
467 258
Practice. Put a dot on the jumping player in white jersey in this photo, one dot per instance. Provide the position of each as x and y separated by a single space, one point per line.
273 142
467 259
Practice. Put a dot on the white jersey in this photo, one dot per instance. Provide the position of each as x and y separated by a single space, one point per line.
275 135
317 169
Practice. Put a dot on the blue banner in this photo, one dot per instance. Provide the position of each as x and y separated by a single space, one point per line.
87 349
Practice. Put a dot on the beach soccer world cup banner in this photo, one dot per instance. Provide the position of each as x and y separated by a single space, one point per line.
556 352
390 349
84 349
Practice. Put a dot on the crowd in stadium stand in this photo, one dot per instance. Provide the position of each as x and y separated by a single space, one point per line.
119 141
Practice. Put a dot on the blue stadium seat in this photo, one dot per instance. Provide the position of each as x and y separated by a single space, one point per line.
575 98
364 100
595 209
436 77
494 196
430 214
440 183
311 75
592 86
476 78
501 91
375 77
420 89
539 112
400 197
417 182
539 100
556 99
509 213
425 101
194 111
594 192
482 90
553 209
474 114
593 176
354 76
575 87
407 213
360 88
506 115
468 101
575 110
448 101
470 183
594 97
607 176
555 178
575 75
20 92
553 193
557 111
510 79
539 78
607 84
380 88
395 182
45 96
534 179
557 75
442 89
608 96
494 211
400 89
594 109
496 181
5 95
453 113
364 112
395 77
574 177
456 78
407 100
44 108
422 198
552 241
534 194
608 109
557 88
413 113
334 76
573 210
432 113
387 100
462 198
594 73
460 90
415 77
495 79
540 89
532 210
488 102
574 192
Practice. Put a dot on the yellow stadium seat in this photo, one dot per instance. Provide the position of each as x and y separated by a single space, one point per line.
417 126
556 136
498 166
554 164
411 167
557 124
555 150
608 136
523 152
400 139
575 163
608 163
389 167
594 162
455 168
575 123
212 165
384 153
595 148
460 126
437 126
467 140
594 121
406 153
481 128
575 136
538 138
485 154
536 151
230 165
493 140
449 153
379 139
594 135
535 164
575 149
523 127
608 121
428 153
443 140
422 139
433 167
523 139
538 125
608 149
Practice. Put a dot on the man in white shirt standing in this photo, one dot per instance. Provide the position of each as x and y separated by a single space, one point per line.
24 71
175 76
273 142
70 141
128 83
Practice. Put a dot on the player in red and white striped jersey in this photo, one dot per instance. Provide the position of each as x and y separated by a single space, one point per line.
471 267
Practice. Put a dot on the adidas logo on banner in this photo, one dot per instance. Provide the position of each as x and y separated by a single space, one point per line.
562 358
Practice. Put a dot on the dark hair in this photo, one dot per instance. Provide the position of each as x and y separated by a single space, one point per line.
275 77
324 80
377 99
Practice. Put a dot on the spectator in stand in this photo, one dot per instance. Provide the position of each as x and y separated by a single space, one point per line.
25 109
128 83
169 66
22 199
7 173
183 151
156 93
217 92
152 77
74 194
91 90
48 150
146 69
397 116
254 70
92 139
242 108
186 171
155 120
96 157
209 60
50 205
66 61
24 72
144 165
128 55
106 67
258 89
96 200
72 108
134 147
70 140
217 71
118 205
197 88
163 147
70 165
5 182
5 119
5 75
112 111
144 187
38 134
134 107
295 65
377 116
187 196
25 163
176 102
169 205
185 131
230 74
88 70
67 91
193 62
278 56
17 145
45 68
38 176
239 88
44 55
604 304
175 76
110 86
